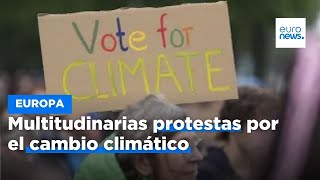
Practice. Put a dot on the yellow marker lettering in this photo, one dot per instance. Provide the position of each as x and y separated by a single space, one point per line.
187 56
210 70
111 78
137 36
170 74
139 64
65 77
95 82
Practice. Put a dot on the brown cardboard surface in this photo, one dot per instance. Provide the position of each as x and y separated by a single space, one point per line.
99 79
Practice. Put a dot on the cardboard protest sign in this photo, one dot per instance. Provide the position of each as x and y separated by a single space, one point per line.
108 60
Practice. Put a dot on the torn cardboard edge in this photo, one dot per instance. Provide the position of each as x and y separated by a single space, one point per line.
39 15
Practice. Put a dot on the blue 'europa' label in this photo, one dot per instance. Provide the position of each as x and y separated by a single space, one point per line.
39 104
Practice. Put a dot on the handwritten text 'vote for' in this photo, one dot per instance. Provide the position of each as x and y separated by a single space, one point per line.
135 41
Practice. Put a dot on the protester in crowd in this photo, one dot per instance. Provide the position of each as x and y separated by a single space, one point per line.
203 111
8 135
48 168
74 160
19 165
17 168
52 167
146 166
245 151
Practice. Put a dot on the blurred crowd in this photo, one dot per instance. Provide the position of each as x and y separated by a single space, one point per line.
289 153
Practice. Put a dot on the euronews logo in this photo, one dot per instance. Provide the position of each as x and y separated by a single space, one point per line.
290 32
